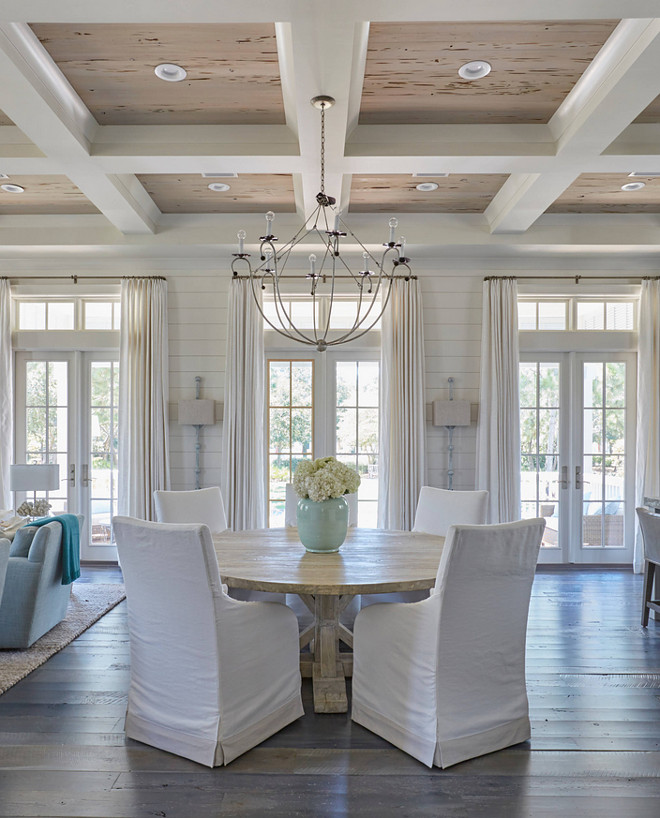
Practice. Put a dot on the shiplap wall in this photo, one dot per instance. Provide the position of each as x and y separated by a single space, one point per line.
198 329
197 313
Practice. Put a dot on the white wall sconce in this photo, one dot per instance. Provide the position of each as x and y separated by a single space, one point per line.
197 413
450 414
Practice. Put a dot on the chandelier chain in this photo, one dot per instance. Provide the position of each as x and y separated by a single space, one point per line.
323 147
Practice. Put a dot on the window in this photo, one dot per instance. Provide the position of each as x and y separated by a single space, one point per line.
576 314
101 314
67 314
300 310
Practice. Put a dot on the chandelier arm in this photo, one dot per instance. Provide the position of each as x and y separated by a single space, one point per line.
280 330
348 336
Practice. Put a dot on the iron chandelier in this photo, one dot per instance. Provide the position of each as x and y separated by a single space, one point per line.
372 286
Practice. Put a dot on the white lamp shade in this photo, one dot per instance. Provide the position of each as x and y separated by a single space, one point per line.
196 412
23 477
451 413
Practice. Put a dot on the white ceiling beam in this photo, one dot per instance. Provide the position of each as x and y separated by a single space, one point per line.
37 97
202 11
323 46
36 236
608 96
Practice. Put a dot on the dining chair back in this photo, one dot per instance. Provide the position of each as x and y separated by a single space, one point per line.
457 687
196 506
650 525
437 509
211 677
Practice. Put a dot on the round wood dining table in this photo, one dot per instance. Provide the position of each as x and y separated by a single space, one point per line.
371 561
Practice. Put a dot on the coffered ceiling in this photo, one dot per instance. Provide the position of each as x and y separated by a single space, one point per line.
530 158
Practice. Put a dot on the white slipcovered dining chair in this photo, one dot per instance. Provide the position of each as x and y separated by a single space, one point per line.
291 503
444 679
650 525
211 677
197 506
204 506
437 510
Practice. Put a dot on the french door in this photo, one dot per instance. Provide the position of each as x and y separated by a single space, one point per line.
67 413
320 404
577 423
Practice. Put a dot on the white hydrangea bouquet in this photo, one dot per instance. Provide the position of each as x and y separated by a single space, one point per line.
324 478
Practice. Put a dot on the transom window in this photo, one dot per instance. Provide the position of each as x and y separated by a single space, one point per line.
300 310
67 314
576 314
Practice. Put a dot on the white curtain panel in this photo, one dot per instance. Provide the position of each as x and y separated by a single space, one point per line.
6 393
144 460
648 404
244 455
498 433
401 468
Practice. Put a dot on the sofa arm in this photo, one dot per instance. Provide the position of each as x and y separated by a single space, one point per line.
44 539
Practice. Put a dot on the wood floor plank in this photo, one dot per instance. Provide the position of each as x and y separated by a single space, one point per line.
594 691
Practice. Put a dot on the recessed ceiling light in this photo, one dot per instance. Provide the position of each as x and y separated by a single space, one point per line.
170 73
12 188
474 70
633 186
426 187
219 187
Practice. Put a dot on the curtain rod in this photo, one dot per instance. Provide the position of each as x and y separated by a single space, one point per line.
76 278
576 279
327 275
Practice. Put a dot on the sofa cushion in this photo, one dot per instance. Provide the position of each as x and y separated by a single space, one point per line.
22 542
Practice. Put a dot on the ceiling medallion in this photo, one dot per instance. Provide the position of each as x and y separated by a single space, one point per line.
370 285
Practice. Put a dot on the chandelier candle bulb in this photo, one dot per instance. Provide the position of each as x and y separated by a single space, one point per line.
312 265
394 223
336 227
402 248
269 222
241 241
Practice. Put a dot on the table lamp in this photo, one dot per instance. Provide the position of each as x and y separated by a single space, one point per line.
24 477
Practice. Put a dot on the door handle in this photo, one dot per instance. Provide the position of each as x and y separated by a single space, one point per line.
86 480
564 477
72 475
578 477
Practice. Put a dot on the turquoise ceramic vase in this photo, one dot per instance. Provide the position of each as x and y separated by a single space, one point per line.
322 526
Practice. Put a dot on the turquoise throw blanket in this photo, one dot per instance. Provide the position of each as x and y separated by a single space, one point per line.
70 544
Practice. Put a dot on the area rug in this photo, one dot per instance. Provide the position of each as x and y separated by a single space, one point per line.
88 603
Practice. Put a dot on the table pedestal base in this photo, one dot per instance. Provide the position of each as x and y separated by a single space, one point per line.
329 691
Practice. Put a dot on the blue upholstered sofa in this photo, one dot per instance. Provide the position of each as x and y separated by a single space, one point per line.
34 599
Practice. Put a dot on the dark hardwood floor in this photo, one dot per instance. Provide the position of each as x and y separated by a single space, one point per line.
594 690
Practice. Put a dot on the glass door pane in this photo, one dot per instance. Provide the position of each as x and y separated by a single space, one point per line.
540 447
604 460
290 427
99 470
356 436
42 434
